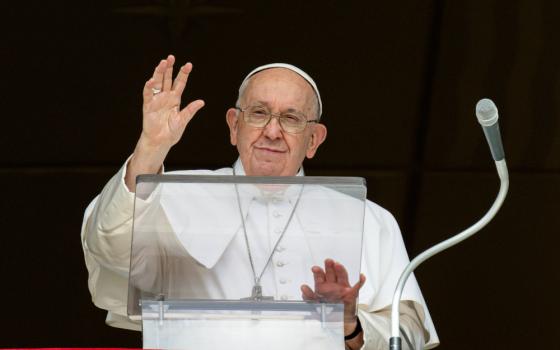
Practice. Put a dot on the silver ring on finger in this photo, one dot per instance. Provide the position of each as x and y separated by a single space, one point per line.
156 91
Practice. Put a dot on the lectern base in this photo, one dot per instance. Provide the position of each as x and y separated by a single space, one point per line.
243 325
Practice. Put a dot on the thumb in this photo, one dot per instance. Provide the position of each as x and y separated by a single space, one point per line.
178 122
354 290
187 113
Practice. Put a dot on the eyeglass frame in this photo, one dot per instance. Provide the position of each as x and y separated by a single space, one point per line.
271 115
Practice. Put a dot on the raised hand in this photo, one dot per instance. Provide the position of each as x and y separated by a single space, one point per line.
163 120
332 285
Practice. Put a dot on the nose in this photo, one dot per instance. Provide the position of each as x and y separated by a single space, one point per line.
273 130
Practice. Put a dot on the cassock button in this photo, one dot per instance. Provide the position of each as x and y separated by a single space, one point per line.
276 214
280 263
283 281
278 231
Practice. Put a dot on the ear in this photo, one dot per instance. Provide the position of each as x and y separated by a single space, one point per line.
318 136
232 120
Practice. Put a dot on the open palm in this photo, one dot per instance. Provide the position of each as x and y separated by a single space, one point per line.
163 120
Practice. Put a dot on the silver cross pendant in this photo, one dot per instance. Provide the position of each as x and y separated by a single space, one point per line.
256 294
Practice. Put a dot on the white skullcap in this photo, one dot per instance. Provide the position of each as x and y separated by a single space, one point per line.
293 69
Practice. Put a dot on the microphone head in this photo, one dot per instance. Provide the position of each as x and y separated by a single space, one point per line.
486 112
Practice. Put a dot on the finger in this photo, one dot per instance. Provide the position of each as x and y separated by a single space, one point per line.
318 275
158 74
187 113
307 293
168 75
182 78
148 93
330 274
341 274
355 289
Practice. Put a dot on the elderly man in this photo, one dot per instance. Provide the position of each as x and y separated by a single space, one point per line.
275 126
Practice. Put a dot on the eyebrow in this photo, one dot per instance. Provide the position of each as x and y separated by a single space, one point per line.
289 110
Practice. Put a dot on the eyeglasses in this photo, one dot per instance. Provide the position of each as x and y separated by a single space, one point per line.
290 122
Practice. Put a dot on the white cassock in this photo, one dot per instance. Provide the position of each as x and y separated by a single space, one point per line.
204 253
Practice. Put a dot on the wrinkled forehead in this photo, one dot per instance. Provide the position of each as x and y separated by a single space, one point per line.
284 70
279 87
279 76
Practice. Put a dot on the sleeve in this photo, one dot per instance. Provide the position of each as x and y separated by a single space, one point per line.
384 258
377 328
106 238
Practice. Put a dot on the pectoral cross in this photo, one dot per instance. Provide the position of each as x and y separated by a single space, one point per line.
256 294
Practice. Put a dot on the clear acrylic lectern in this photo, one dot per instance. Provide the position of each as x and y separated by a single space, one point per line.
219 261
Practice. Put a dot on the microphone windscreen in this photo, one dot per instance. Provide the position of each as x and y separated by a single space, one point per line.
486 112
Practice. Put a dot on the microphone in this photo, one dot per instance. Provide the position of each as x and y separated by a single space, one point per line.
487 115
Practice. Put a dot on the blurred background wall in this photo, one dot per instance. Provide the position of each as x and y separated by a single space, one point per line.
399 81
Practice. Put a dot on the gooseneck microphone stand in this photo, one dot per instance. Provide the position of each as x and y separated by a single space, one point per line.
487 114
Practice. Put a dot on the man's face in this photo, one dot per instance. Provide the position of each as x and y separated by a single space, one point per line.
270 151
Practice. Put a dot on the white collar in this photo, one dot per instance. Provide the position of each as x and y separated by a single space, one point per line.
239 170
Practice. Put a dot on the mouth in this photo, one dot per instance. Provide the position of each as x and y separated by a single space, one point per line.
270 150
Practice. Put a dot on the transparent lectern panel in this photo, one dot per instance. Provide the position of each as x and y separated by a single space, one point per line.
216 237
